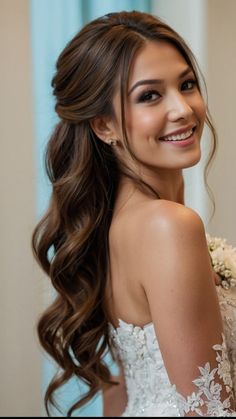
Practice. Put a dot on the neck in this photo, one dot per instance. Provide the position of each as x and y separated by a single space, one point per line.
169 186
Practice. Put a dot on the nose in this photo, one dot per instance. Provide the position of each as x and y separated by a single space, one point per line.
178 107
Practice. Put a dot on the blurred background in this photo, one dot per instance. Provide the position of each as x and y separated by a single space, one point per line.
32 33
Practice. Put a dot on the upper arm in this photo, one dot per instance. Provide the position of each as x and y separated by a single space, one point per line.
176 275
115 397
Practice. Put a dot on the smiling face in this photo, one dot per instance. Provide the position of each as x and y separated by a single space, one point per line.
165 111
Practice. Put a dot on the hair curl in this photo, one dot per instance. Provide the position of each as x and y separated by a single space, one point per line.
84 173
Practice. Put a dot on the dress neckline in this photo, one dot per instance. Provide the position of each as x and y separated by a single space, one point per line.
125 324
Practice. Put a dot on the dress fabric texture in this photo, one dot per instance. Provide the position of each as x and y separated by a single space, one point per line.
149 390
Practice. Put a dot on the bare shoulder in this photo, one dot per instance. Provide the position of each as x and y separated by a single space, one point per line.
169 221
165 253
160 235
155 228
172 245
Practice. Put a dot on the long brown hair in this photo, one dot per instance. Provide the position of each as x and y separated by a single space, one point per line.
71 241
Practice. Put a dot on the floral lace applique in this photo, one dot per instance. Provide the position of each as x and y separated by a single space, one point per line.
227 301
149 390
208 395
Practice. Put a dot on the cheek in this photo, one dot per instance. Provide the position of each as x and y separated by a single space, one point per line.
200 110
145 122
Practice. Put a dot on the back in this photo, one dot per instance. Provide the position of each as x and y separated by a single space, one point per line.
162 290
130 250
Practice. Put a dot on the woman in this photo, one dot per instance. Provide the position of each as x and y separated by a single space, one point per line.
130 261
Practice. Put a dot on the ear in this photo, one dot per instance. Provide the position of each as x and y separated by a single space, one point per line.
104 128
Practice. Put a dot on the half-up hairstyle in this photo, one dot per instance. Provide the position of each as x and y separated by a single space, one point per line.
84 174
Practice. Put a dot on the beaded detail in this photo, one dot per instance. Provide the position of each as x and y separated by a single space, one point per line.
149 390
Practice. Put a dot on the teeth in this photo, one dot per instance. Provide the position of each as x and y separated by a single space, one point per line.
178 137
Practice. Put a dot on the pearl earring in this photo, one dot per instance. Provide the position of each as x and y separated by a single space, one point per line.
112 142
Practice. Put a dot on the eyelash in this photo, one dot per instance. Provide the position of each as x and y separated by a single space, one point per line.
192 81
145 97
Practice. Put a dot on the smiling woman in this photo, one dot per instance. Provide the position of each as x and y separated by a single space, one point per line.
164 110
130 263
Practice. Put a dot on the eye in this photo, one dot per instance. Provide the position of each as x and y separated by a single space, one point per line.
189 84
149 96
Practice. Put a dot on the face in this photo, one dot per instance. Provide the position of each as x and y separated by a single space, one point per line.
165 111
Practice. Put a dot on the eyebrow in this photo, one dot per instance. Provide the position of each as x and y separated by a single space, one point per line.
158 81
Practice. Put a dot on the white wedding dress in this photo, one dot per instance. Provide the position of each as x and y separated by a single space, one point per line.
149 390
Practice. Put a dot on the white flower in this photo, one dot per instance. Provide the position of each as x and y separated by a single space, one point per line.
218 255
230 263
232 282
223 258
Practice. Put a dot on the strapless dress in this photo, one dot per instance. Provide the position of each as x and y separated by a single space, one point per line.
149 390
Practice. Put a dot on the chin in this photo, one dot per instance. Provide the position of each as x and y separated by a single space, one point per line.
192 162
188 161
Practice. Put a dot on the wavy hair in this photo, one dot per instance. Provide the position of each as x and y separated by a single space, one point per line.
84 173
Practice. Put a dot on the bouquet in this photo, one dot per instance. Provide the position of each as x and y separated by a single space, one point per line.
223 258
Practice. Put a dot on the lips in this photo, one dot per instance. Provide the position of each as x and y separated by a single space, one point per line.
179 135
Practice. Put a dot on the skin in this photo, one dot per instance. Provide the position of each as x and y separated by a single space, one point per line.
148 237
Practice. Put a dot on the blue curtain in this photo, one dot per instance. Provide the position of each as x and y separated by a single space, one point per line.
53 24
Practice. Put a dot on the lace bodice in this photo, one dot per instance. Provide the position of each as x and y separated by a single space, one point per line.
144 372
149 390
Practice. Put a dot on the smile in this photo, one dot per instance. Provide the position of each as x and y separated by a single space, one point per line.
179 137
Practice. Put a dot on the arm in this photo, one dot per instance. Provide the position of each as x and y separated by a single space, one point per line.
176 274
115 397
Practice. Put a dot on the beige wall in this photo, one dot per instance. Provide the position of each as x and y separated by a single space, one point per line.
222 93
20 289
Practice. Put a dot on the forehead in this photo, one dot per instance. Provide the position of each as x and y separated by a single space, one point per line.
156 60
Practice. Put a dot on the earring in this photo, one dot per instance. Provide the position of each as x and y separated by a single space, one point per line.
112 142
